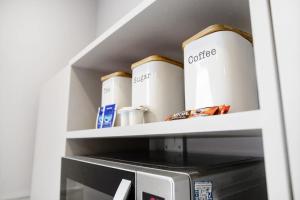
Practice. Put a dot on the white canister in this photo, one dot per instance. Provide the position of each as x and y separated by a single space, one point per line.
157 83
219 68
116 89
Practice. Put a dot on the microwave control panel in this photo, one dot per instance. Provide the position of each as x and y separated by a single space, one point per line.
147 196
162 185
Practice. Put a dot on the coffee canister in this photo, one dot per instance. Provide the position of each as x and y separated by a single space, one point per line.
219 68
116 89
157 83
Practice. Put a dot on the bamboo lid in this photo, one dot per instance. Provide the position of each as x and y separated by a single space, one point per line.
115 74
215 28
156 58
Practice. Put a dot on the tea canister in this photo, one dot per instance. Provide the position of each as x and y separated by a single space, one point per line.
219 68
116 89
157 83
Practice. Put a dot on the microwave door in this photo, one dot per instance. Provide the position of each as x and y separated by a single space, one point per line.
88 181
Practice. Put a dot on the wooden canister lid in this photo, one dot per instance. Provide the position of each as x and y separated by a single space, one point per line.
115 74
156 58
215 28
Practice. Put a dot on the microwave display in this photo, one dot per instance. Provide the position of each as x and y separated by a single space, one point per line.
147 196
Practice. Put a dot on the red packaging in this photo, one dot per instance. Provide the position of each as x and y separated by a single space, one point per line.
208 111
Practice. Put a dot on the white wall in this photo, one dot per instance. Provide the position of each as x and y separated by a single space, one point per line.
37 38
110 11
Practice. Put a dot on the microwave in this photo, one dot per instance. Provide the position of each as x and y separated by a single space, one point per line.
162 176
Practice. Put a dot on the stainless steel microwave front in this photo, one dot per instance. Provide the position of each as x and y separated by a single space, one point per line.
162 186
146 183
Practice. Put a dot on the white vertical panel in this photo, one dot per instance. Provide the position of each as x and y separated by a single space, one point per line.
50 137
286 22
277 171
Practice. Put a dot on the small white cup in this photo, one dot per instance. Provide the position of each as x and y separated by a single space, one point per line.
124 117
131 115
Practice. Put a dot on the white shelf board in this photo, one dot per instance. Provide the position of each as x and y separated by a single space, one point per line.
158 27
229 125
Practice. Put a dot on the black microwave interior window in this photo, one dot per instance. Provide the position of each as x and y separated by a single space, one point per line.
103 179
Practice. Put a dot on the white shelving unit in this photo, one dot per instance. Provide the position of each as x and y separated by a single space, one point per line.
245 124
159 27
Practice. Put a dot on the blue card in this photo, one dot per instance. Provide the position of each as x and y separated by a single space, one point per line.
100 117
109 116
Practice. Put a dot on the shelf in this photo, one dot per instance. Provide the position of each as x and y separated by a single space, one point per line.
153 27
235 124
158 27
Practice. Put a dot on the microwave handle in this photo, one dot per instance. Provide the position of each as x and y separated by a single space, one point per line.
123 190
